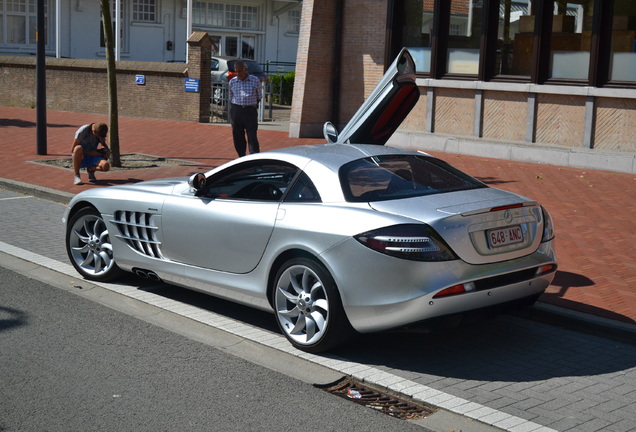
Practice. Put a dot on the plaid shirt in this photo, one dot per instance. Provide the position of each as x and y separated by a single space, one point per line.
246 92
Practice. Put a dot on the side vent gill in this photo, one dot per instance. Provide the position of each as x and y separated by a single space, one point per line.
139 232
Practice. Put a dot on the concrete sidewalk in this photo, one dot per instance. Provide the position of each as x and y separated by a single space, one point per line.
593 210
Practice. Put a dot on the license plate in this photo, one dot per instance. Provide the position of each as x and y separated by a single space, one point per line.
505 236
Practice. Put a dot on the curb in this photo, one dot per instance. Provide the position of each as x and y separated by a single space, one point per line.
36 191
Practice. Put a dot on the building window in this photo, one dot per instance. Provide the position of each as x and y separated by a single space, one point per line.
571 40
584 42
515 39
18 21
417 27
215 15
232 16
144 10
248 17
463 36
225 15
623 42
293 21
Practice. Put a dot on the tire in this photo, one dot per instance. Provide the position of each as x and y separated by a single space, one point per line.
88 246
308 308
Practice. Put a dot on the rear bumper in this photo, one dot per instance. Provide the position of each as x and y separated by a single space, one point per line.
381 293
367 319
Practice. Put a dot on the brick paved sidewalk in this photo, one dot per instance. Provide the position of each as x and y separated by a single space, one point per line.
593 210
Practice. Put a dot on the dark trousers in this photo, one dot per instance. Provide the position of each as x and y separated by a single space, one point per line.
244 120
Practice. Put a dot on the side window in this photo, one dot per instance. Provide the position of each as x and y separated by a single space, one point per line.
254 181
303 191
214 65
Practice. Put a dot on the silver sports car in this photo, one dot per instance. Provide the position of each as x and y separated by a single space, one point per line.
334 239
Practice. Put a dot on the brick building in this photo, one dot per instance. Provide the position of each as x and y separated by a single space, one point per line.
542 73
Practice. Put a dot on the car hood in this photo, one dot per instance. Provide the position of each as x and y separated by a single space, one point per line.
385 108
164 187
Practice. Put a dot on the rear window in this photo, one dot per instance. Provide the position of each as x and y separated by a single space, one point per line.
390 177
252 67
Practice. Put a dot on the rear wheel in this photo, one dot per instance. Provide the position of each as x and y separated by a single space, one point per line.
308 308
88 246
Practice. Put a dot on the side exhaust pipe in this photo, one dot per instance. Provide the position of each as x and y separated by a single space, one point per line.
147 274
154 276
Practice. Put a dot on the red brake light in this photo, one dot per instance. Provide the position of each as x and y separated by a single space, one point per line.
230 75
506 207
454 290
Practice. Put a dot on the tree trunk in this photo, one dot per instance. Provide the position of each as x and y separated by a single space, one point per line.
111 71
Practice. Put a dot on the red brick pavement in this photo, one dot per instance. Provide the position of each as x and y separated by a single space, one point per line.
593 210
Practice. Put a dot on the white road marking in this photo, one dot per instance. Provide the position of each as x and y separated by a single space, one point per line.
14 198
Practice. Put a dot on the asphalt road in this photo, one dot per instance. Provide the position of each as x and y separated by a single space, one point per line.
528 375
70 363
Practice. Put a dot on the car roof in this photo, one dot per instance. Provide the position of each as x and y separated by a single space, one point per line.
229 58
332 156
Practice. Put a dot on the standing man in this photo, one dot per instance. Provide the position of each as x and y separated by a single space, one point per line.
245 95
85 152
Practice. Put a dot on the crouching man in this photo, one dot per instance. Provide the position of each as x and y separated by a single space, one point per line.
86 152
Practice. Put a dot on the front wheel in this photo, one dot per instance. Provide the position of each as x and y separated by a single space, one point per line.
88 246
308 308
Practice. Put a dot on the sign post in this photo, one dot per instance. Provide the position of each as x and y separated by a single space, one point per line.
40 71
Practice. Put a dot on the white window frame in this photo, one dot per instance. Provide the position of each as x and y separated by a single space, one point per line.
226 15
293 21
145 11
27 11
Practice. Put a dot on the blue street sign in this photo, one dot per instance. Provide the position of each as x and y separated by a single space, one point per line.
192 85
140 79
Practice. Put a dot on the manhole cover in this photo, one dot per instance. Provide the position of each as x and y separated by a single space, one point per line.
351 389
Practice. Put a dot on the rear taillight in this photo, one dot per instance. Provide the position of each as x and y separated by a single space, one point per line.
417 242
548 268
230 75
548 226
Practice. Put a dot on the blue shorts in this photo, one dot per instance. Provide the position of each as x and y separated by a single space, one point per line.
91 161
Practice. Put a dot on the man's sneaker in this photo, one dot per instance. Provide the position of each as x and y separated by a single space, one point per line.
77 180
91 176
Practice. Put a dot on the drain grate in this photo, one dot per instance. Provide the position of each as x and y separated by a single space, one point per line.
349 388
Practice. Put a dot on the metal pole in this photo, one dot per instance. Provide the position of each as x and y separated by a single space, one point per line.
117 30
58 29
40 70
188 26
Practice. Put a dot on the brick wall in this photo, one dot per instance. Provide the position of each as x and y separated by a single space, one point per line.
82 86
354 75
315 63
363 53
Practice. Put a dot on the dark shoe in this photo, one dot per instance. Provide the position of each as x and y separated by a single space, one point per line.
91 176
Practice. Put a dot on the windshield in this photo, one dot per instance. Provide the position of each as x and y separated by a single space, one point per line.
390 177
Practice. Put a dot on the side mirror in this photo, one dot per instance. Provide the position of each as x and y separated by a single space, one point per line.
197 181
330 133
